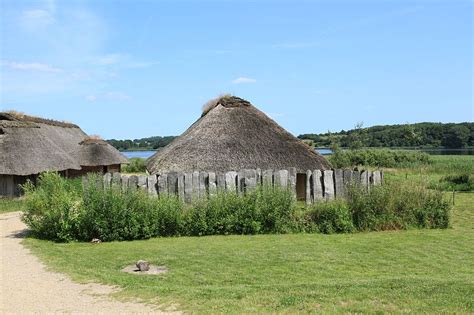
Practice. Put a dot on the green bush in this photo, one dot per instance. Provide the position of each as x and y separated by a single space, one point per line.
397 205
378 158
332 217
458 182
263 210
137 165
63 210
53 207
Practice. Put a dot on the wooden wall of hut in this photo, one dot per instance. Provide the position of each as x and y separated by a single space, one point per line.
312 186
10 185
101 169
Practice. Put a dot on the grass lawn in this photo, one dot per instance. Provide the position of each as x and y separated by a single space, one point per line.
420 271
11 205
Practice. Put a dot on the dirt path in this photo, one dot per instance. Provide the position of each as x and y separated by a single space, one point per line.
26 286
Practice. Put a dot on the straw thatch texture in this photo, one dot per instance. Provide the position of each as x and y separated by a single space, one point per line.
30 145
234 135
95 152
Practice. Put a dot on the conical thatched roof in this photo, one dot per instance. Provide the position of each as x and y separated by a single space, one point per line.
232 135
95 152
30 145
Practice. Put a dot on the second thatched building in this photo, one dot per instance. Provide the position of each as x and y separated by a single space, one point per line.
31 145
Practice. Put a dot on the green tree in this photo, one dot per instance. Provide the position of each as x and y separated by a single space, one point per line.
457 137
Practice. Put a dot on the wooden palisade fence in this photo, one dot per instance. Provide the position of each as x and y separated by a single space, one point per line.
312 186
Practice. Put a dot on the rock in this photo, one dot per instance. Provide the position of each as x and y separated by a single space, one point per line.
96 241
143 265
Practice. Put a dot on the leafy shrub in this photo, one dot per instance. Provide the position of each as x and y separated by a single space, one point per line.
458 182
378 158
397 206
63 210
53 207
332 217
263 210
137 165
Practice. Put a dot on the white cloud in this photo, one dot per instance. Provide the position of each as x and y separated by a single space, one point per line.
109 59
122 60
108 96
38 18
242 80
117 96
34 66
91 98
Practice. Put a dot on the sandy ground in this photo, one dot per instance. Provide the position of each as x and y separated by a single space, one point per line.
27 287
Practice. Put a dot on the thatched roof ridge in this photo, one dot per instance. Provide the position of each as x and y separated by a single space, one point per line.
30 145
96 152
234 135
20 117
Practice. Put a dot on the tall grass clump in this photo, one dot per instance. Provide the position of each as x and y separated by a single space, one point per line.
262 210
64 210
378 158
397 206
53 207
114 215
457 182
392 206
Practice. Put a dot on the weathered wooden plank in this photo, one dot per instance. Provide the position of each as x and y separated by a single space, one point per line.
318 190
309 181
347 177
107 180
221 182
328 181
377 178
173 183
203 184
142 182
116 179
364 179
212 184
163 184
281 179
195 185
231 181
133 182
125 179
339 191
292 175
241 181
267 178
250 177
151 182
188 187
181 185
356 177
259 176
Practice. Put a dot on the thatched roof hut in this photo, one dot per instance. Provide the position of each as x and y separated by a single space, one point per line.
95 152
31 145
232 135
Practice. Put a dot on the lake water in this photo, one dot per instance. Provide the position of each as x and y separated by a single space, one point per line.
323 151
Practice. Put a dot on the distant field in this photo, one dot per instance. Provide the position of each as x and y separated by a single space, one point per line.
442 165
419 271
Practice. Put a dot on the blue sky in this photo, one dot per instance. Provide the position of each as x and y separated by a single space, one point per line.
130 69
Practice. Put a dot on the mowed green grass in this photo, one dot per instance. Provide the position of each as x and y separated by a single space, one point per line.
420 271
10 205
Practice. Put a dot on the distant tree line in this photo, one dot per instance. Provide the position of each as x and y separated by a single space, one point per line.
427 135
151 143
